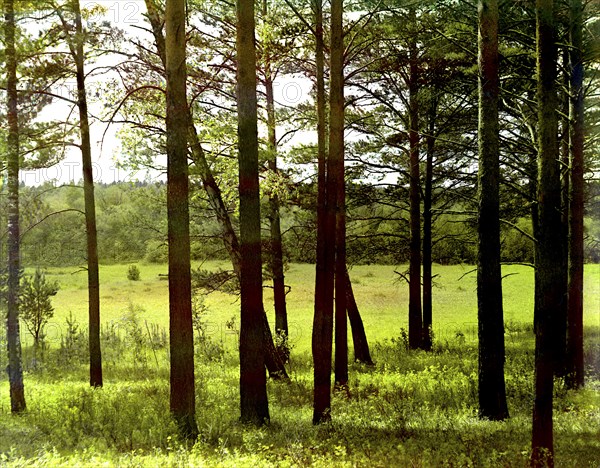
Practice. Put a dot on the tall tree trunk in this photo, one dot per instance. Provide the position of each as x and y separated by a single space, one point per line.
273 362
336 156
322 334
492 391
276 250
427 230
415 319
561 326
15 367
359 337
90 207
574 363
549 293
182 396
253 383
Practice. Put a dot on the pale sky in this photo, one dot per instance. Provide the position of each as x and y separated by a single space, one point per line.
125 14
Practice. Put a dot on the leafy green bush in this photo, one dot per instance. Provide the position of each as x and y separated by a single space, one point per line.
136 337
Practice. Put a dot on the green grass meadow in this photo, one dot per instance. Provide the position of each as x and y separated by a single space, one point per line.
411 409
381 297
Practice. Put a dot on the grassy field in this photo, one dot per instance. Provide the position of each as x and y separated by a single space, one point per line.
411 409
382 299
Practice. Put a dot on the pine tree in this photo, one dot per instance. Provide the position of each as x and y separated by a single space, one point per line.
182 396
492 390
253 391
548 292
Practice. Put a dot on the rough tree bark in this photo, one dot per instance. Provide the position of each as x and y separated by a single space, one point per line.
492 390
574 363
15 367
563 145
90 204
253 382
182 397
322 334
549 294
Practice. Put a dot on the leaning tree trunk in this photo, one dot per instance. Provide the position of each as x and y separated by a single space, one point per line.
574 362
254 405
322 334
415 319
15 367
549 293
180 291
492 390
276 247
90 207
359 337
275 365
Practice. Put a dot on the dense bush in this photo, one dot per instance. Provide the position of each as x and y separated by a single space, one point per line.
133 273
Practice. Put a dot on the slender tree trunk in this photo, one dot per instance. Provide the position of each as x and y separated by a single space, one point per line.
561 326
427 231
90 207
341 317
415 319
180 293
273 362
253 383
492 392
574 363
359 337
276 250
336 156
322 335
15 367
549 294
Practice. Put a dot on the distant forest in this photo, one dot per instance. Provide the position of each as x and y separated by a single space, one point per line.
132 226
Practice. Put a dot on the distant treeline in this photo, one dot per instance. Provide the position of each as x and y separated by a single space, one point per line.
132 227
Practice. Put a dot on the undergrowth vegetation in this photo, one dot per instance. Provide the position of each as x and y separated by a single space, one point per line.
412 408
